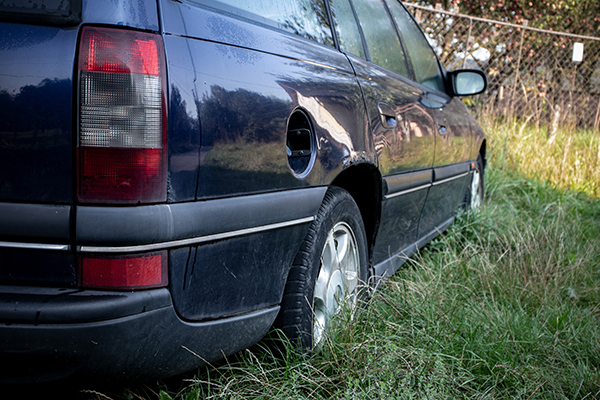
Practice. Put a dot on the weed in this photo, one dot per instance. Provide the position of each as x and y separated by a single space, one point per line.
504 305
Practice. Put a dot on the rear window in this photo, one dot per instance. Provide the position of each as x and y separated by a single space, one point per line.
306 18
43 12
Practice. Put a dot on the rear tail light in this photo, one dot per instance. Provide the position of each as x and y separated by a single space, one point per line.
125 272
122 117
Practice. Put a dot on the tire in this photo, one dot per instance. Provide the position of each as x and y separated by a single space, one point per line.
331 264
475 192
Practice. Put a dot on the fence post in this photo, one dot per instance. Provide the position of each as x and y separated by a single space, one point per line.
469 39
597 119
514 88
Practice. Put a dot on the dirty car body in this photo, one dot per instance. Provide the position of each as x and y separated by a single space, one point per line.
161 163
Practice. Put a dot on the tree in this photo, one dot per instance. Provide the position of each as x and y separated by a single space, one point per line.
580 17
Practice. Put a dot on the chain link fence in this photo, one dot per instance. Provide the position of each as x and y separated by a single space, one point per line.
532 73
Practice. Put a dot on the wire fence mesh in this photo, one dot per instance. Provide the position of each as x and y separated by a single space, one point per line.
532 73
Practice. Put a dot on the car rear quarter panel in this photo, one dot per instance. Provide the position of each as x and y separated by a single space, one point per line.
233 84
244 81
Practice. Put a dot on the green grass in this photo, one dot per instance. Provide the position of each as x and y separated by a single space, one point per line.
504 305
570 159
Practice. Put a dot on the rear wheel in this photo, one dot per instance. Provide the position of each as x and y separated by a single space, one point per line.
328 271
475 192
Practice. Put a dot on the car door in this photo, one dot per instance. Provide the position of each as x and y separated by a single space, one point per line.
402 127
451 164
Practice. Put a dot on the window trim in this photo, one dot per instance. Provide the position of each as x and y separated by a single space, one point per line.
333 25
366 47
360 31
407 60
336 42
441 69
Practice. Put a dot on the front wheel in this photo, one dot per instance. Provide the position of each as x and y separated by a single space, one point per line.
328 271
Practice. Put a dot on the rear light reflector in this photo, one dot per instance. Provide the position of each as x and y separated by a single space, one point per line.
124 272
122 117
108 173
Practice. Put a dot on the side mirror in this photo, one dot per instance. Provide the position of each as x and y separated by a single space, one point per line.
467 82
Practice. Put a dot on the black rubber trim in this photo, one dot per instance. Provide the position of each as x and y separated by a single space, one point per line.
149 345
402 182
450 171
33 305
34 223
128 226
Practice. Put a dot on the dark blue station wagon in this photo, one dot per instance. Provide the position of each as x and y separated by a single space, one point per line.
178 176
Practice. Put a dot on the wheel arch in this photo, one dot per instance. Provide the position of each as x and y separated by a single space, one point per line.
483 152
363 182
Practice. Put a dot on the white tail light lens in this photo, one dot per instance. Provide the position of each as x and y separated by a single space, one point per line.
122 117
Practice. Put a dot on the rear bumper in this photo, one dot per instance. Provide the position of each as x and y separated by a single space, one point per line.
136 335
228 263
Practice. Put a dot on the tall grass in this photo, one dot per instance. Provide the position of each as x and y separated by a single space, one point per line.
504 305
567 158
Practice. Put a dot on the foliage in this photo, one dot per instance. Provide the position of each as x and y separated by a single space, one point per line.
531 73
568 159
575 16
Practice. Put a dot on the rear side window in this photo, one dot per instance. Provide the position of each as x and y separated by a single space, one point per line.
421 55
43 12
381 37
346 28
306 18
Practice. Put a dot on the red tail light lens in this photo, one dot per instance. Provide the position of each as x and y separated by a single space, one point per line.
125 272
122 117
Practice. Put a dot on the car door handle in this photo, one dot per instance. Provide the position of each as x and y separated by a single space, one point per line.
388 121
387 114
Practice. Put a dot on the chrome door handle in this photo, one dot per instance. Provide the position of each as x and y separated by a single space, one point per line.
387 114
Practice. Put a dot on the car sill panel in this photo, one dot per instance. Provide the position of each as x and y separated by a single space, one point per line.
386 268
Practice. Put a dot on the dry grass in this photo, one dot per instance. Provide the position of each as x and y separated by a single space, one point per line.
569 159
